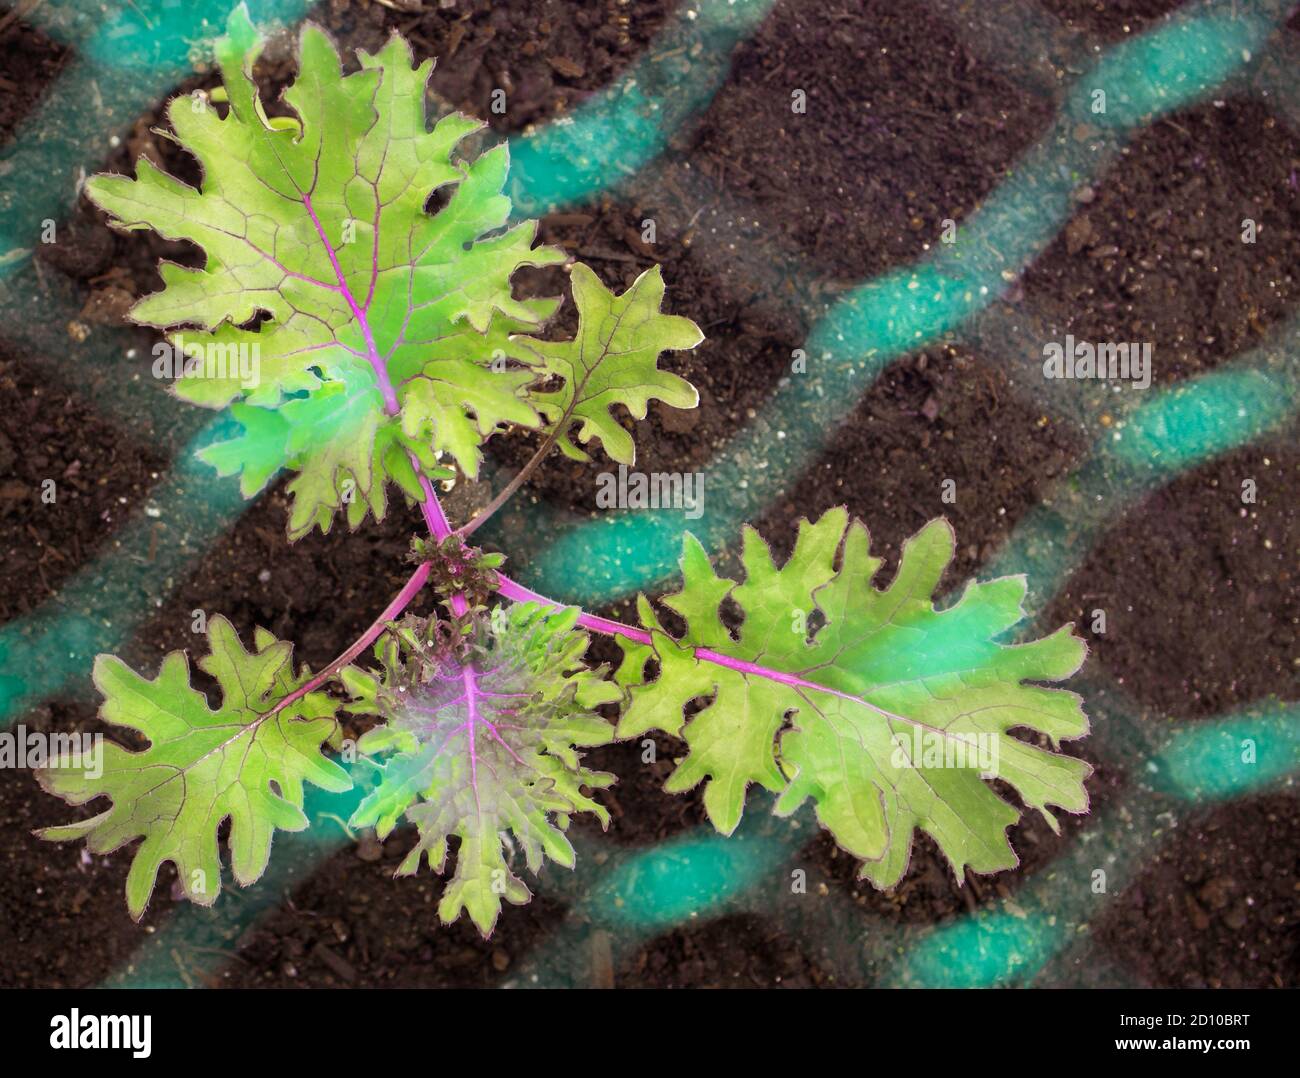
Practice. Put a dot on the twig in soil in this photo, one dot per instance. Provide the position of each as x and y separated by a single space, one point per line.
340 821
602 960
20 12
608 256
221 953
180 968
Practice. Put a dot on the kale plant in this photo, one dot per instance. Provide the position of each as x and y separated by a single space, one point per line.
391 347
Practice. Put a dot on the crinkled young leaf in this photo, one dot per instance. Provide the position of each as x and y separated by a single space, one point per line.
321 225
244 762
612 360
890 718
483 745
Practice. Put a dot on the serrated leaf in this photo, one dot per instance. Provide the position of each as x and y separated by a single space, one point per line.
890 718
612 360
484 748
320 225
244 762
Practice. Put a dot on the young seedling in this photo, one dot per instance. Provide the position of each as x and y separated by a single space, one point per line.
390 341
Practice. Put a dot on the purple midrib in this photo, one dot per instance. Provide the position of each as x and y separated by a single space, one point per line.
434 516
474 718
358 312
513 590
471 708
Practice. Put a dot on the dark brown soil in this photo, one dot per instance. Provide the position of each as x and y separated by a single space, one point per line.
28 60
1110 19
905 127
1171 266
544 55
854 192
